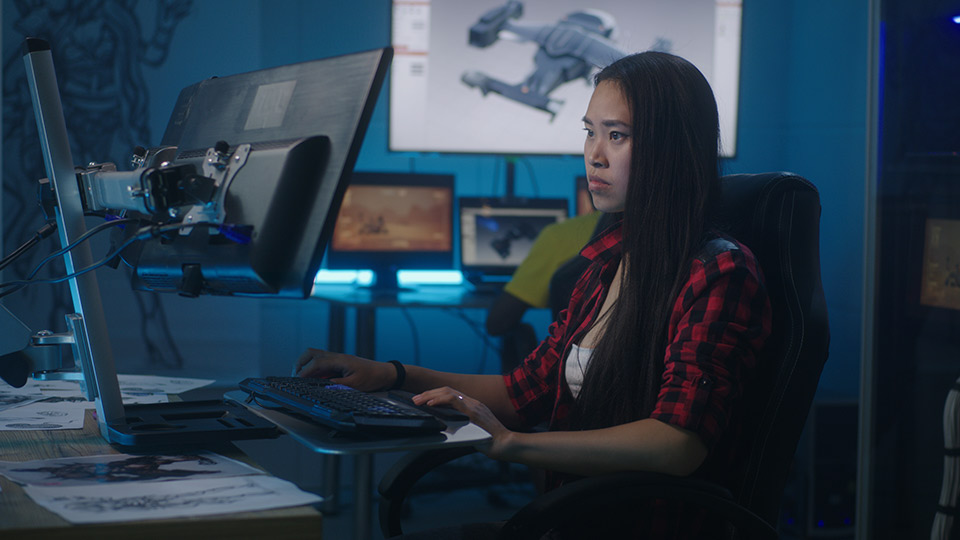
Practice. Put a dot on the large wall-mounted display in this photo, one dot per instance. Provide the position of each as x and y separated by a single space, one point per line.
515 77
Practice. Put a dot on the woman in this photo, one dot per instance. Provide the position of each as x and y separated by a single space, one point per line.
643 371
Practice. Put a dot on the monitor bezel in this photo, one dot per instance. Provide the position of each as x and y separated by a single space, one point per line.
729 144
392 261
475 271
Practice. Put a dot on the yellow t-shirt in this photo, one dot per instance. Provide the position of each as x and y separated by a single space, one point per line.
556 244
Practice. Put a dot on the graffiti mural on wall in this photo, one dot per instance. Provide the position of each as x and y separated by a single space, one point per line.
100 49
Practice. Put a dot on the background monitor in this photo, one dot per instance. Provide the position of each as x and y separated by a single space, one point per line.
496 235
394 221
483 64
583 201
304 123
940 281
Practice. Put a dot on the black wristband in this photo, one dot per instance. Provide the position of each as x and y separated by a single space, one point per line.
401 375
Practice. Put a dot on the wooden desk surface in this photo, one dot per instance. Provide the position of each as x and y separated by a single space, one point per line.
21 518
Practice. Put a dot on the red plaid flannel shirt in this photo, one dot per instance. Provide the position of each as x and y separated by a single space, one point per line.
718 325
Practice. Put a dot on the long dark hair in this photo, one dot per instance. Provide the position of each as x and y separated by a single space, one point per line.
674 173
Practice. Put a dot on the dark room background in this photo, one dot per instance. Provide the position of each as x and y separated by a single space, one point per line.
121 64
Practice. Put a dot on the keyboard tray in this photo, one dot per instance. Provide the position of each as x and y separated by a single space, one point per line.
341 407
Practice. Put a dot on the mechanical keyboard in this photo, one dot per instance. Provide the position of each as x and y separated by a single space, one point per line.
341 407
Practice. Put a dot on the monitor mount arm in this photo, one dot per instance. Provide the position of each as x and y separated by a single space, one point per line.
155 188
166 191
157 191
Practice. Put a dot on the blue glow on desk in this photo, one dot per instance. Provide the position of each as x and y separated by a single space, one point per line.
344 277
430 277
404 277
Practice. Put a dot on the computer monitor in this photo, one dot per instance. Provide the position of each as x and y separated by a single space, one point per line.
515 77
940 280
496 235
394 221
583 200
240 201
303 124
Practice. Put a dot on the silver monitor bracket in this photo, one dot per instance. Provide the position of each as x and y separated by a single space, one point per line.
133 425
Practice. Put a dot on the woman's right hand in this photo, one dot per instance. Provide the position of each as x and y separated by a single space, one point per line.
352 371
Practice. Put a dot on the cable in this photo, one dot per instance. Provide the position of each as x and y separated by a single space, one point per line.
413 333
480 332
483 359
40 234
84 237
145 233
533 178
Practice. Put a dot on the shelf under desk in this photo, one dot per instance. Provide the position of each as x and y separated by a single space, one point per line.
20 517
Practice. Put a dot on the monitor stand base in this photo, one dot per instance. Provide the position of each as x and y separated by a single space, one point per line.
185 423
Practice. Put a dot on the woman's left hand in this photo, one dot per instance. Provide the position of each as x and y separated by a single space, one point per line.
478 412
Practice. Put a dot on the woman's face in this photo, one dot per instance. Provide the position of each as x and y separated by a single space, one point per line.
607 148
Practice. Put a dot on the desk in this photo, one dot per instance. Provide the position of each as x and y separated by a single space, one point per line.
20 517
366 304
327 441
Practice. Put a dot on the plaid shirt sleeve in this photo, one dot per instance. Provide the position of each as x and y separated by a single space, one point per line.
532 386
719 323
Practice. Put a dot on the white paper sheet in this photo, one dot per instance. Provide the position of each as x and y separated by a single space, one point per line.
179 498
42 416
152 384
23 408
122 468
14 397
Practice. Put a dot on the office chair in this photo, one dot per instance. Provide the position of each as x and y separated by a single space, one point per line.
944 521
777 215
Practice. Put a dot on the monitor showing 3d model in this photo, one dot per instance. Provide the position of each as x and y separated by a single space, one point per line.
496 235
515 76
394 221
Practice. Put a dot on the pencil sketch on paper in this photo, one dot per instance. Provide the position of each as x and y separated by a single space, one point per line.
224 495
42 415
177 498
14 397
117 468
24 426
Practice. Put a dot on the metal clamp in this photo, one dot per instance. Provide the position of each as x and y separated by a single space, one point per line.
223 172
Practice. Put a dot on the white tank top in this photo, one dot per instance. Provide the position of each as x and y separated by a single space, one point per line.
576 366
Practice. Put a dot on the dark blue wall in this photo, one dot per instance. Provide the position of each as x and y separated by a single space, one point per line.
802 108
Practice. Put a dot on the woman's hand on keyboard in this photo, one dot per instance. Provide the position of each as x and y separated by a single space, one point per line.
479 414
353 371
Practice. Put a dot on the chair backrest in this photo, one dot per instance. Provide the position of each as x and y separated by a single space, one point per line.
777 215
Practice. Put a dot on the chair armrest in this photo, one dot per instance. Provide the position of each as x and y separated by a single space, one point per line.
398 481
589 497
